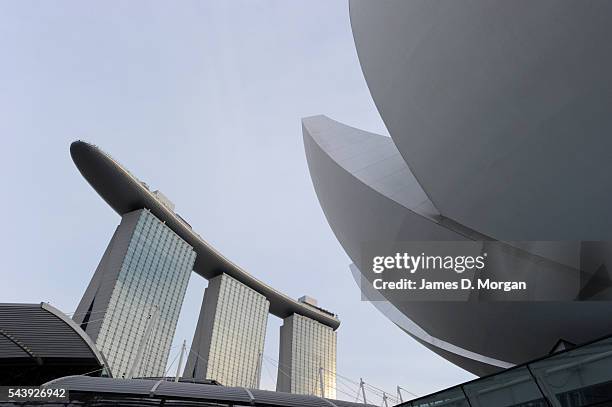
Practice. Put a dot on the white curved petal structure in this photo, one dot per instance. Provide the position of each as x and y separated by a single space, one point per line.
501 109
368 193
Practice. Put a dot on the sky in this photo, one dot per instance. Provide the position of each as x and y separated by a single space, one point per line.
202 100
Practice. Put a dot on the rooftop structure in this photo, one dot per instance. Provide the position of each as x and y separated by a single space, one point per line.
168 393
125 193
38 343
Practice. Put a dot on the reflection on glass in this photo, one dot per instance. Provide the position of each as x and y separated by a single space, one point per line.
511 388
312 356
580 377
148 289
238 334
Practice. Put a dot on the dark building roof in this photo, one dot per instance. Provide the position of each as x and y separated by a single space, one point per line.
145 392
125 193
211 382
38 343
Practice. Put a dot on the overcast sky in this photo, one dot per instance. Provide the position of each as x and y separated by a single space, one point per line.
203 101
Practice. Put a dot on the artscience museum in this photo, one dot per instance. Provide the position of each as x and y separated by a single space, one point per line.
499 116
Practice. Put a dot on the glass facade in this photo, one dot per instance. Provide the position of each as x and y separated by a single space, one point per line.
307 353
578 377
146 294
229 340
515 387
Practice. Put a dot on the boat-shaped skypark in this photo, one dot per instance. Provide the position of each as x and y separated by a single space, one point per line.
142 278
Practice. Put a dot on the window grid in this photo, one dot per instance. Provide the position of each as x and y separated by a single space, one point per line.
153 276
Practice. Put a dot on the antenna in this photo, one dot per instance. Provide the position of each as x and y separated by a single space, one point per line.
178 367
361 384
399 393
